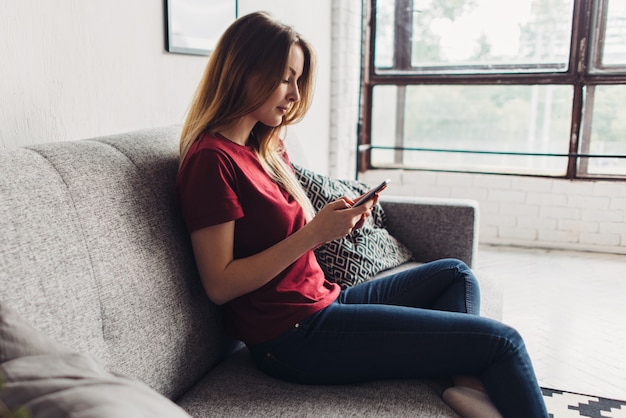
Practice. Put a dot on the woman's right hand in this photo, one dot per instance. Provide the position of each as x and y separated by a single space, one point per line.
337 219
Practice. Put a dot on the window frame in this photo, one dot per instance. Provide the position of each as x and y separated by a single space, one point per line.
583 73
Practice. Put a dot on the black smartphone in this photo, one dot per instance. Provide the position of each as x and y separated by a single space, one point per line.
370 194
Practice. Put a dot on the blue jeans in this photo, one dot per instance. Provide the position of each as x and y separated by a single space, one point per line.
420 323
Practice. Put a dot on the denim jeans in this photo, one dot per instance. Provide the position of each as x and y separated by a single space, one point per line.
420 323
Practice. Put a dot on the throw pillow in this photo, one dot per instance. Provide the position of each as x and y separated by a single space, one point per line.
364 252
48 380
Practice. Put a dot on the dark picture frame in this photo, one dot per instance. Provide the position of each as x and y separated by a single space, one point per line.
194 26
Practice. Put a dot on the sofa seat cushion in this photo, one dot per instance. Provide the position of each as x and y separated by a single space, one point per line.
235 388
47 380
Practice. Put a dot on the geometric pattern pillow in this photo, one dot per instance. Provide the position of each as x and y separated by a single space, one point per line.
364 252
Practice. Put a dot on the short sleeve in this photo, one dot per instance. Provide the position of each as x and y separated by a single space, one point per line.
207 190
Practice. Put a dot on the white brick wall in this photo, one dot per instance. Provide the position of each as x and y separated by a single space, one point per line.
345 86
532 212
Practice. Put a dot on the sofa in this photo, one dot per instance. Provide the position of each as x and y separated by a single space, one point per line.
102 313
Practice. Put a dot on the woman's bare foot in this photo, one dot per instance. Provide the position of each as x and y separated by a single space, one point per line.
470 403
471 382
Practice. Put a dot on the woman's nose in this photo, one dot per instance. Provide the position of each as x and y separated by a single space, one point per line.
294 94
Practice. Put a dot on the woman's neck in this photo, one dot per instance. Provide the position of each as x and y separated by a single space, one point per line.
238 132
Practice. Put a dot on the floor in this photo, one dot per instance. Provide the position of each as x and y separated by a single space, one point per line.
570 307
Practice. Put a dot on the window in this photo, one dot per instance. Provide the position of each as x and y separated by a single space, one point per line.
530 87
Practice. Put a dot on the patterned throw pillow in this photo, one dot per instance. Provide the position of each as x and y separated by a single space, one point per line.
364 252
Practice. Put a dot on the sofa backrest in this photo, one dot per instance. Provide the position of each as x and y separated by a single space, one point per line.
93 252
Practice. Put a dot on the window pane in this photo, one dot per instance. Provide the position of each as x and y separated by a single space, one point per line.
383 53
383 123
508 119
608 132
615 41
611 45
491 35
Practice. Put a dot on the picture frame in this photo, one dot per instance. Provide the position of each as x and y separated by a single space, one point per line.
194 26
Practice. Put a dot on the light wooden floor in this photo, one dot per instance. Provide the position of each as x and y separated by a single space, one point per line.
570 307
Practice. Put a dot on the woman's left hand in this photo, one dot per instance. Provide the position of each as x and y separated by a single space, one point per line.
367 214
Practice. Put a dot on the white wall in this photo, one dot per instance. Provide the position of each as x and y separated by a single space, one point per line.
345 87
73 69
309 139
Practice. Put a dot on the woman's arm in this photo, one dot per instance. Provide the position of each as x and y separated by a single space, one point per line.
225 278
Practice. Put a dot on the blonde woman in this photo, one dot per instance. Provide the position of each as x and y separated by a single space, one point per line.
253 232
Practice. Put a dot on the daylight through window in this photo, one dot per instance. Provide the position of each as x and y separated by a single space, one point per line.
532 87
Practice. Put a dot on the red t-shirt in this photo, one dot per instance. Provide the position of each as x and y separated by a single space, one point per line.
221 181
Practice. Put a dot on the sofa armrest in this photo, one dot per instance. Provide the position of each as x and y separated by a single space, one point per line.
434 228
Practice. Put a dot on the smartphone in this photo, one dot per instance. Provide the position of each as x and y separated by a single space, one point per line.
370 194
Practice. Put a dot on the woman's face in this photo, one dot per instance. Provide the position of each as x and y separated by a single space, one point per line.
272 111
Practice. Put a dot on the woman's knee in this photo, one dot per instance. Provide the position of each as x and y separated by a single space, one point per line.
464 269
466 276
464 272
512 340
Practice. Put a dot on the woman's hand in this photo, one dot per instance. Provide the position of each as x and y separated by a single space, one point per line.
337 219
370 205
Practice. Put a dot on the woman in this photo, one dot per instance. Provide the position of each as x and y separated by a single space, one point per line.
253 232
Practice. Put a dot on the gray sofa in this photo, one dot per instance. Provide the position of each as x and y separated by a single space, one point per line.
93 255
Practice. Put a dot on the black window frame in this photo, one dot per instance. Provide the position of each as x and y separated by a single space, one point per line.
586 16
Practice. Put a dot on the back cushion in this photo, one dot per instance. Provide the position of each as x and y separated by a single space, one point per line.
96 255
45 268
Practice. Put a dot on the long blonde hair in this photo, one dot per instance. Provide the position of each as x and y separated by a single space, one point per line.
244 69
